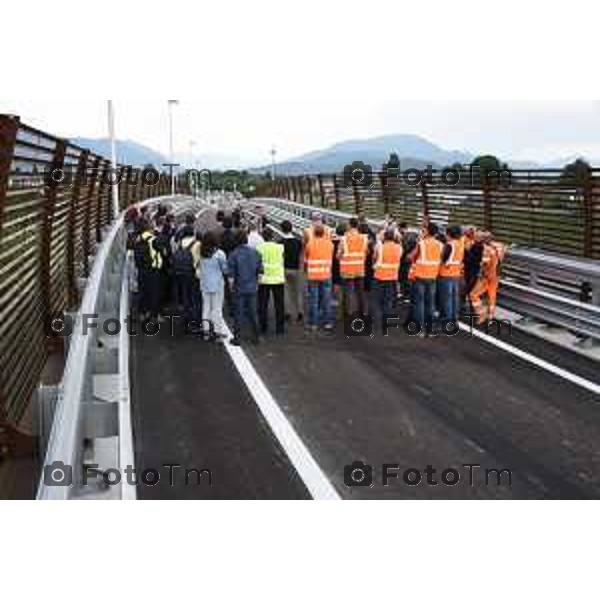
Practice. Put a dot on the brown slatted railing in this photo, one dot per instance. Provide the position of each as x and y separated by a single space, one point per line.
541 208
49 230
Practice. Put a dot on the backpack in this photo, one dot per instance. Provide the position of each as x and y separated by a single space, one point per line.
183 259
142 254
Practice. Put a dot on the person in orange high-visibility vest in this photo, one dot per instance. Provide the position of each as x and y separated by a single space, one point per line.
426 259
318 258
489 279
316 221
451 274
388 256
352 255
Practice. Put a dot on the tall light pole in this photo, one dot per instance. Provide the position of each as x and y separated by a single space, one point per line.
172 103
274 162
193 164
113 152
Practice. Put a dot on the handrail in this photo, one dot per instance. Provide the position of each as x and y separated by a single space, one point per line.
65 440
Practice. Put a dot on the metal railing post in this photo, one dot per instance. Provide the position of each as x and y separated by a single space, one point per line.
321 190
87 222
487 204
71 224
9 127
425 198
45 257
588 215
336 192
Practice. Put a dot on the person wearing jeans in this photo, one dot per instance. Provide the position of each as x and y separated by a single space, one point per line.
245 268
319 298
388 257
426 259
318 257
212 271
423 295
451 273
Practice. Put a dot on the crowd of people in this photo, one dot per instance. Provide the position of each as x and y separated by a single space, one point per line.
315 280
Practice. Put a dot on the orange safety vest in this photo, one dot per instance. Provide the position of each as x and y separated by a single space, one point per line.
454 267
319 259
309 234
354 247
427 266
389 257
493 255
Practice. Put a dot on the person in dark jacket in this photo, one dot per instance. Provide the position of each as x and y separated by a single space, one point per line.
337 281
229 236
369 271
409 243
245 267
473 257
294 289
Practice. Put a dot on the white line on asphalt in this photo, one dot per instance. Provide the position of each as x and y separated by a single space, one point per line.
315 480
538 362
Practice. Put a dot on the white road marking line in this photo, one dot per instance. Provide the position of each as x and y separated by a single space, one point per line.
538 362
311 474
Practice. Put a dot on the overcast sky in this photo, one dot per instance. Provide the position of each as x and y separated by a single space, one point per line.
248 127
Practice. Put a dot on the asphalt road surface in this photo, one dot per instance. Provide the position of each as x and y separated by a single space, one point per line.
417 404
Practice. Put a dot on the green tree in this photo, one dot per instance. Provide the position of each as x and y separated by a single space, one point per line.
394 161
577 173
489 169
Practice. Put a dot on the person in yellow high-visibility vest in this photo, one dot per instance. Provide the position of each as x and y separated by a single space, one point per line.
149 263
271 282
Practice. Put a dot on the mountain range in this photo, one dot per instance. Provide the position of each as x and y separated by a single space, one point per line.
414 152
128 152
132 153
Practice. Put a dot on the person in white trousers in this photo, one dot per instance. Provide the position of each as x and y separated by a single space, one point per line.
212 271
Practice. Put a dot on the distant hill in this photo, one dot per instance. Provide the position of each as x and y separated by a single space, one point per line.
414 152
128 152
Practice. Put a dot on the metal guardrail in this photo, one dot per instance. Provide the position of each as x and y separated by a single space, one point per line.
544 286
93 401
75 399
556 210
579 318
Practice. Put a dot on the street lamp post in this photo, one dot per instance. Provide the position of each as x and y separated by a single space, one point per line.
113 151
274 162
193 164
172 103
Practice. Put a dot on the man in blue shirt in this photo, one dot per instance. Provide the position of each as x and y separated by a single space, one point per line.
245 268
